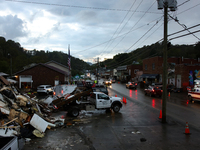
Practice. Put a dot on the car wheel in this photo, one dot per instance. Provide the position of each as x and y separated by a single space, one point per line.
84 97
190 97
47 92
116 108
74 112
150 95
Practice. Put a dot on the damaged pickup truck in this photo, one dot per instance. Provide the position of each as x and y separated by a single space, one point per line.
83 98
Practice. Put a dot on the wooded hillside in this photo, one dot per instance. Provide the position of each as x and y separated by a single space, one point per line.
21 58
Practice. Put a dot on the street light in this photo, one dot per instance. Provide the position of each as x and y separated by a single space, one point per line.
10 64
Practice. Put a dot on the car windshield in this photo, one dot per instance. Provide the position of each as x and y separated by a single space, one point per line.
40 87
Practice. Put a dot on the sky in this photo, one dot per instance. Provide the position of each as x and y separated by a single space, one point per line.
95 28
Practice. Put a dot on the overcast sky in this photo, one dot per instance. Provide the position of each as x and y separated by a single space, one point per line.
94 28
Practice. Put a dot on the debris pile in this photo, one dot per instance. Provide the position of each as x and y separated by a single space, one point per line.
22 114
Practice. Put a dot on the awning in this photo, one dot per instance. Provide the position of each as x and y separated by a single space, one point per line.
3 74
12 81
151 76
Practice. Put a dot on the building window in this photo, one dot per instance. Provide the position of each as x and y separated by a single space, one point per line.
153 66
136 70
145 67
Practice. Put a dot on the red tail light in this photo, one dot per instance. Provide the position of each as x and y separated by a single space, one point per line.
153 90
62 92
54 93
55 106
135 83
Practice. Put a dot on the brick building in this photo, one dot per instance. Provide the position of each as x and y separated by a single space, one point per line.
132 71
186 74
178 69
41 74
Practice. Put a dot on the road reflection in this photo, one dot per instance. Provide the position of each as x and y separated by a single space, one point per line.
130 93
133 94
153 102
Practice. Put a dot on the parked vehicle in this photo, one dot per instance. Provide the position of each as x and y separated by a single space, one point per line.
100 88
177 90
61 90
113 80
194 94
170 88
97 100
154 91
45 89
131 85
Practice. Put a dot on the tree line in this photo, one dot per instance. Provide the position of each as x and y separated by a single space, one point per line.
12 51
156 49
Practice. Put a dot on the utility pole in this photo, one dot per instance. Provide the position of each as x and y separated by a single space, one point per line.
10 64
164 65
97 69
172 4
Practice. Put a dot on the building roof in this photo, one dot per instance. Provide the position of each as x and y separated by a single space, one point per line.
45 65
52 61
3 74
122 67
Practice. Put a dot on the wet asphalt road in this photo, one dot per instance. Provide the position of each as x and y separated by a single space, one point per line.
136 126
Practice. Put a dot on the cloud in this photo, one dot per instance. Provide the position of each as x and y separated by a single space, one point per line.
44 37
62 12
92 28
12 27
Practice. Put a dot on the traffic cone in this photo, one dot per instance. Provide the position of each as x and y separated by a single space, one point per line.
169 94
160 116
115 95
125 100
187 131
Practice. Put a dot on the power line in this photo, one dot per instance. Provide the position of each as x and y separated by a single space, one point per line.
120 25
75 6
150 34
189 8
130 58
180 31
184 35
126 23
116 37
184 26
184 30
135 23
142 36
183 3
